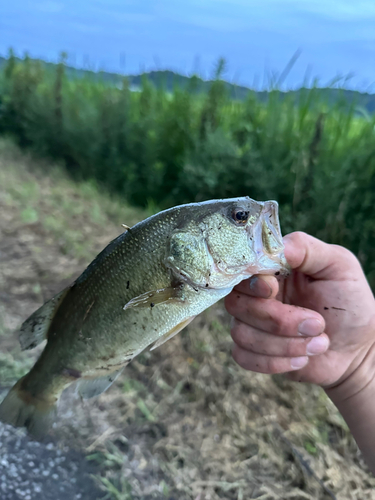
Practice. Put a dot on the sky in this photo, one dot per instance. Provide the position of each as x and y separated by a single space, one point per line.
257 38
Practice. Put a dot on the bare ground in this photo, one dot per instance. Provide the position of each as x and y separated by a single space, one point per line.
182 422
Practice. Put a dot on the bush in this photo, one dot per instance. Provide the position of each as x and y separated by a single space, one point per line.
317 158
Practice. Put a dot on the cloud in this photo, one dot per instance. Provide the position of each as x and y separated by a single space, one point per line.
334 35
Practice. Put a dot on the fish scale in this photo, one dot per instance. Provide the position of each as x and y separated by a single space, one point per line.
141 290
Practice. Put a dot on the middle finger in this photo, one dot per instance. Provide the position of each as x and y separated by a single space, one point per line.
260 342
273 316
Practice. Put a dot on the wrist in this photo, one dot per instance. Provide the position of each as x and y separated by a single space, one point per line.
355 400
358 383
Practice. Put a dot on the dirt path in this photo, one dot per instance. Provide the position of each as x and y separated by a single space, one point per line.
35 471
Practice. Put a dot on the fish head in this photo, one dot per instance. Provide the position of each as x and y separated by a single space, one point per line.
230 240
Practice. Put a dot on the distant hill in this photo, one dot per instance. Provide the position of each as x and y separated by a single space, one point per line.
167 79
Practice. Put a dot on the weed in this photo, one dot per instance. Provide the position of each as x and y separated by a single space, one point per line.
312 153
123 491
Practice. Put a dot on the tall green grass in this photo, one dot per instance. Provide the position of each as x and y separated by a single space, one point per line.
164 148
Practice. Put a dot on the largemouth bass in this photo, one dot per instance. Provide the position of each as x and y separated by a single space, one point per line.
141 290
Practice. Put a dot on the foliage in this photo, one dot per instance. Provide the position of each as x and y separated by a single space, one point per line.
183 421
160 148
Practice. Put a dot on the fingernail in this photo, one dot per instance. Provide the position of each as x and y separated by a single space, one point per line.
300 362
317 346
260 288
310 327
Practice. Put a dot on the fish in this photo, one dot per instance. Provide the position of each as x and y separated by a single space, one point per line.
145 287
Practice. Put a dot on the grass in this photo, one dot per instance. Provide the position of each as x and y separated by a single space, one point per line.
72 221
13 367
183 421
157 149
54 203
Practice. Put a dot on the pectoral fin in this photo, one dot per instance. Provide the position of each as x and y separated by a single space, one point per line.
175 330
155 297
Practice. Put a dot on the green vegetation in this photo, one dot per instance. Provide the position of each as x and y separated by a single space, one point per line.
183 421
168 80
158 148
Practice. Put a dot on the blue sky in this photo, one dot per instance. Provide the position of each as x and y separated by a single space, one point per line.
335 37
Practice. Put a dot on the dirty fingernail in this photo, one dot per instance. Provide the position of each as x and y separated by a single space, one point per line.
318 345
310 327
300 362
260 288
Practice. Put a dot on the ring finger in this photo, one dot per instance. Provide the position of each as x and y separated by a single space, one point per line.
261 342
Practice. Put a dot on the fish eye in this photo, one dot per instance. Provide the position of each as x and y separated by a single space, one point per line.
240 216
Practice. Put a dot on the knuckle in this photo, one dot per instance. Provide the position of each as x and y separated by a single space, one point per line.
236 332
241 335
295 347
346 255
274 365
297 236
231 304
279 326
289 348
243 361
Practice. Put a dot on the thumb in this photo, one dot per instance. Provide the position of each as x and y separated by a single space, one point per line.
319 260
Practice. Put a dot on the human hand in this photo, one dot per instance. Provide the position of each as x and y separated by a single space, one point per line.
318 325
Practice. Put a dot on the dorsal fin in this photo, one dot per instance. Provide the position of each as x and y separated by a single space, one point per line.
34 330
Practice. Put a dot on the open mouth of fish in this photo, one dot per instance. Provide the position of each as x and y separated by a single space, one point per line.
268 242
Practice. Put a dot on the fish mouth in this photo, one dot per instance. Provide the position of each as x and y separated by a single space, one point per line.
268 241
